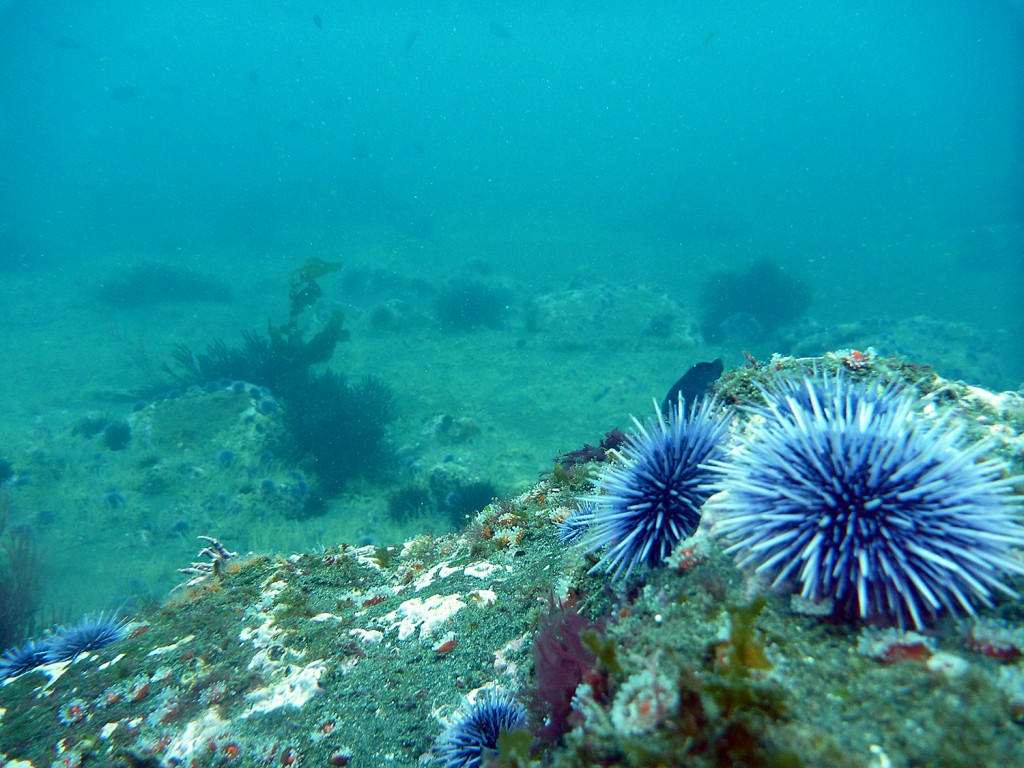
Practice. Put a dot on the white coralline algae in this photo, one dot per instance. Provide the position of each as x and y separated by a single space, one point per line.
293 688
424 615
483 570
289 683
194 739
367 636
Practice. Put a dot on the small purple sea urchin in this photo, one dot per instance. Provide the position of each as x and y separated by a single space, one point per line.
652 498
474 731
843 489
575 524
92 632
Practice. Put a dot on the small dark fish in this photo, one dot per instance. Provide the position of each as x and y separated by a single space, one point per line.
124 93
410 41
254 77
67 43
694 384
709 39
500 31
317 21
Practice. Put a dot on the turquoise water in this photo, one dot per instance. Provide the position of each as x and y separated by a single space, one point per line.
596 172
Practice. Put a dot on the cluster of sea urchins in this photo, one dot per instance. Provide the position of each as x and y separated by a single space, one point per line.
63 643
839 490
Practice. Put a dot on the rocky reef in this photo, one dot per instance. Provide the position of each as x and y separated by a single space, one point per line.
362 656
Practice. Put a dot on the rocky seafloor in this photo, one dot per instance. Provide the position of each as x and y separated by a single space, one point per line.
358 655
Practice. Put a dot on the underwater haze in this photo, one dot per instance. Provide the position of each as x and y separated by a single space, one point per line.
874 148
529 218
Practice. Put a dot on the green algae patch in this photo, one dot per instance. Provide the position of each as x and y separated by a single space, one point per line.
744 651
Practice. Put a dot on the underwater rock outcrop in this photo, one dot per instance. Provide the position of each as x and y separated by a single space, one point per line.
752 302
368 656
151 283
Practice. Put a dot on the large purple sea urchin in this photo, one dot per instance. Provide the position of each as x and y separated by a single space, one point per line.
652 498
473 734
843 489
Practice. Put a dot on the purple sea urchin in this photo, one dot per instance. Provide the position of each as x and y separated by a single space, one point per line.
474 731
92 632
575 523
652 498
20 659
843 489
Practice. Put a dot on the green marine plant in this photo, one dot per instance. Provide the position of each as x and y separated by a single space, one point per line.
341 428
21 580
573 478
218 362
658 706
514 748
281 359
409 501
338 428
286 340
441 497
760 298
114 434
743 651
6 470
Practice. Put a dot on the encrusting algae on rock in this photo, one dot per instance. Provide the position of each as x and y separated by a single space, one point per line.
361 656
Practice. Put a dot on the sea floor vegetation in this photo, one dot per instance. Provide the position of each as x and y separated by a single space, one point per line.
22 576
152 282
337 428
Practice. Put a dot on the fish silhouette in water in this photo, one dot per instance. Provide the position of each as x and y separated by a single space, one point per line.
694 384
500 31
317 21
410 41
